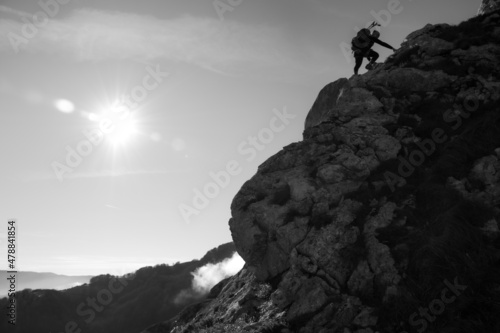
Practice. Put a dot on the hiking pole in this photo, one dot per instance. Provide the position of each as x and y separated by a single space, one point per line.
374 24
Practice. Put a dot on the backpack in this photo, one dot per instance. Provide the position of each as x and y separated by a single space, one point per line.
361 43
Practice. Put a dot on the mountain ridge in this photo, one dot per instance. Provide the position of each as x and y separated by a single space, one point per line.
43 280
108 303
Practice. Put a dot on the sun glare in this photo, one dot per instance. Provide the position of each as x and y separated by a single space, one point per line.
120 124
122 132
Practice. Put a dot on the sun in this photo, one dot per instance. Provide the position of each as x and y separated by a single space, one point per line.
122 132
120 123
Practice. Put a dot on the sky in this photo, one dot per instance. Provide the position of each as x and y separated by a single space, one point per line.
127 127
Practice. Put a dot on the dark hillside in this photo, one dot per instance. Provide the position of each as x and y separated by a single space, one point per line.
137 300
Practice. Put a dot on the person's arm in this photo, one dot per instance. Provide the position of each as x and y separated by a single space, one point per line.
378 41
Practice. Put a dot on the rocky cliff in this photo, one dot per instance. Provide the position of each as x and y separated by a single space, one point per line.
489 6
385 217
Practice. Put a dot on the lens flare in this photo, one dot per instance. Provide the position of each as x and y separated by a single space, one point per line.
64 105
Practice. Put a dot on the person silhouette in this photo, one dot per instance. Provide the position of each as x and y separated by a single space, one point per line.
362 48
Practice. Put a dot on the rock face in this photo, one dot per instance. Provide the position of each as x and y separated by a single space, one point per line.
489 6
385 217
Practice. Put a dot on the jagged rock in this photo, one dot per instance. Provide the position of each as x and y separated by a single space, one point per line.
484 57
405 81
429 30
488 6
491 229
386 147
379 256
339 101
432 47
361 281
312 298
353 102
365 318
318 246
236 309
393 192
326 100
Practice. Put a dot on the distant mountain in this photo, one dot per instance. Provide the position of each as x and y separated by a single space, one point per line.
112 304
34 280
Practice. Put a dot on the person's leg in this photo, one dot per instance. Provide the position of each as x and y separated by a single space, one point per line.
373 56
359 61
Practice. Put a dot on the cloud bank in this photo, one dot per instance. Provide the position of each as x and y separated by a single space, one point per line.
209 275
205 277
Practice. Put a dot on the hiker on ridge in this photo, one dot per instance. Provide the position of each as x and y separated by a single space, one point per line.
361 47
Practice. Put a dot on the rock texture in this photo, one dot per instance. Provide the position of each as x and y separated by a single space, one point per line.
385 217
489 6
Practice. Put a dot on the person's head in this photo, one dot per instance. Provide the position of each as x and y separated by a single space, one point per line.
376 34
